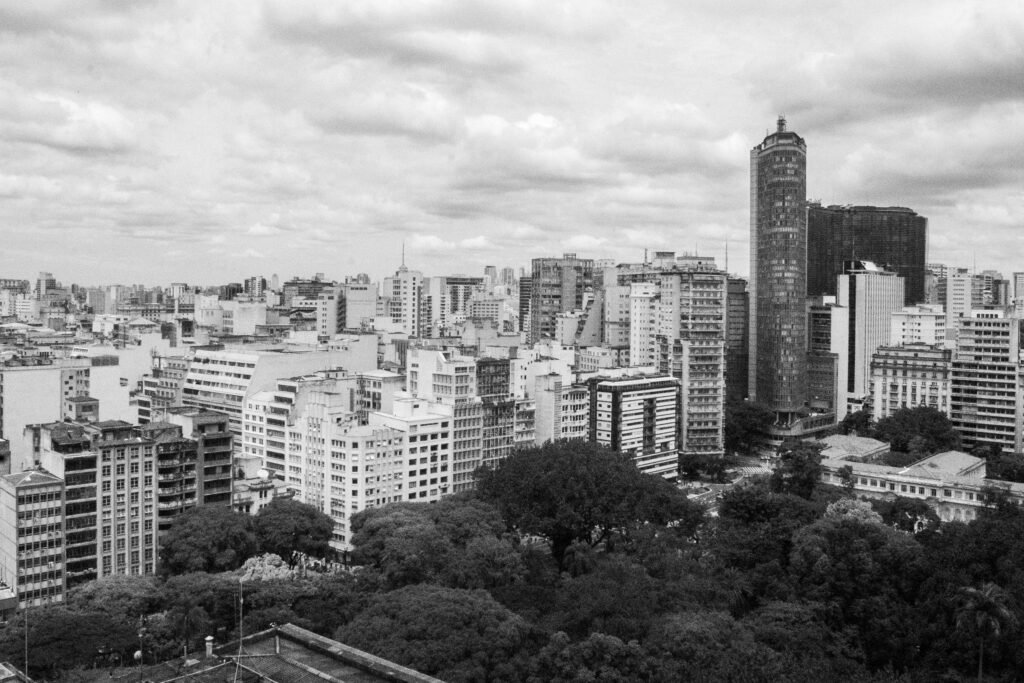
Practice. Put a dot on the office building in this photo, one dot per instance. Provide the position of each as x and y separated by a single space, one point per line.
828 349
869 295
736 339
895 238
778 268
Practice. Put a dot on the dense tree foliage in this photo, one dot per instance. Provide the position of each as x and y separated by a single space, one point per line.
457 635
286 527
921 431
793 581
858 423
207 539
746 423
580 492
798 470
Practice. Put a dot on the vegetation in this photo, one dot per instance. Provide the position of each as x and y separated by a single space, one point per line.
745 423
793 581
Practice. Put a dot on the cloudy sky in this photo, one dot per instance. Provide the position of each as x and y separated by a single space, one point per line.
209 141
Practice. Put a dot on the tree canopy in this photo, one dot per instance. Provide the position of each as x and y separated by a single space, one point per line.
286 526
207 538
745 423
575 491
921 430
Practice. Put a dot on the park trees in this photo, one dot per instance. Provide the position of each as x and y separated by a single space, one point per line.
984 614
455 634
745 423
799 469
921 430
458 541
286 527
207 539
571 492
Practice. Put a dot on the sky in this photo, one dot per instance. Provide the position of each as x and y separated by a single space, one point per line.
205 142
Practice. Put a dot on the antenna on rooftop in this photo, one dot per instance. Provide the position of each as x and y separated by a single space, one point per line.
403 253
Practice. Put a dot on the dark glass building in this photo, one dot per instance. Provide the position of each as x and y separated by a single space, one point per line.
892 237
778 267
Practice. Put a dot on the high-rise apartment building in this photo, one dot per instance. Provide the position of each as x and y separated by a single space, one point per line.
446 300
986 406
32 537
678 325
778 267
404 304
558 285
222 380
922 324
451 379
638 416
525 293
895 238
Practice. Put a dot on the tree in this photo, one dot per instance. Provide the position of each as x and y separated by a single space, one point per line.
858 423
59 638
798 470
456 635
580 492
745 423
207 539
922 429
599 657
984 613
123 597
286 526
907 514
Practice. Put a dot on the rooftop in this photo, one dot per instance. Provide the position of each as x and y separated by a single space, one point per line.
850 446
282 654
33 477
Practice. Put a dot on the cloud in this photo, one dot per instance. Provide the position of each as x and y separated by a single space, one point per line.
411 111
63 123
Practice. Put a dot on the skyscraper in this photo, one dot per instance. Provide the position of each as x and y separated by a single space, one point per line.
778 267
893 237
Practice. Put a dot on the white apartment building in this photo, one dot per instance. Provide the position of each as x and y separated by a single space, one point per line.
921 324
223 380
449 379
644 322
986 405
403 294
637 416
562 409
405 455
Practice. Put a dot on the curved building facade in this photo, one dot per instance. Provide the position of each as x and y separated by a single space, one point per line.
778 268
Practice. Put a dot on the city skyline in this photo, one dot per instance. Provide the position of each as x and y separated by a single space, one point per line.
208 143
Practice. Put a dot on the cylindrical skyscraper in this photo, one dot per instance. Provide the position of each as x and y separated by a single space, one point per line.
778 272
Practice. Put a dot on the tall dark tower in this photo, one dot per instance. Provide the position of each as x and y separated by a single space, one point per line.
778 272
